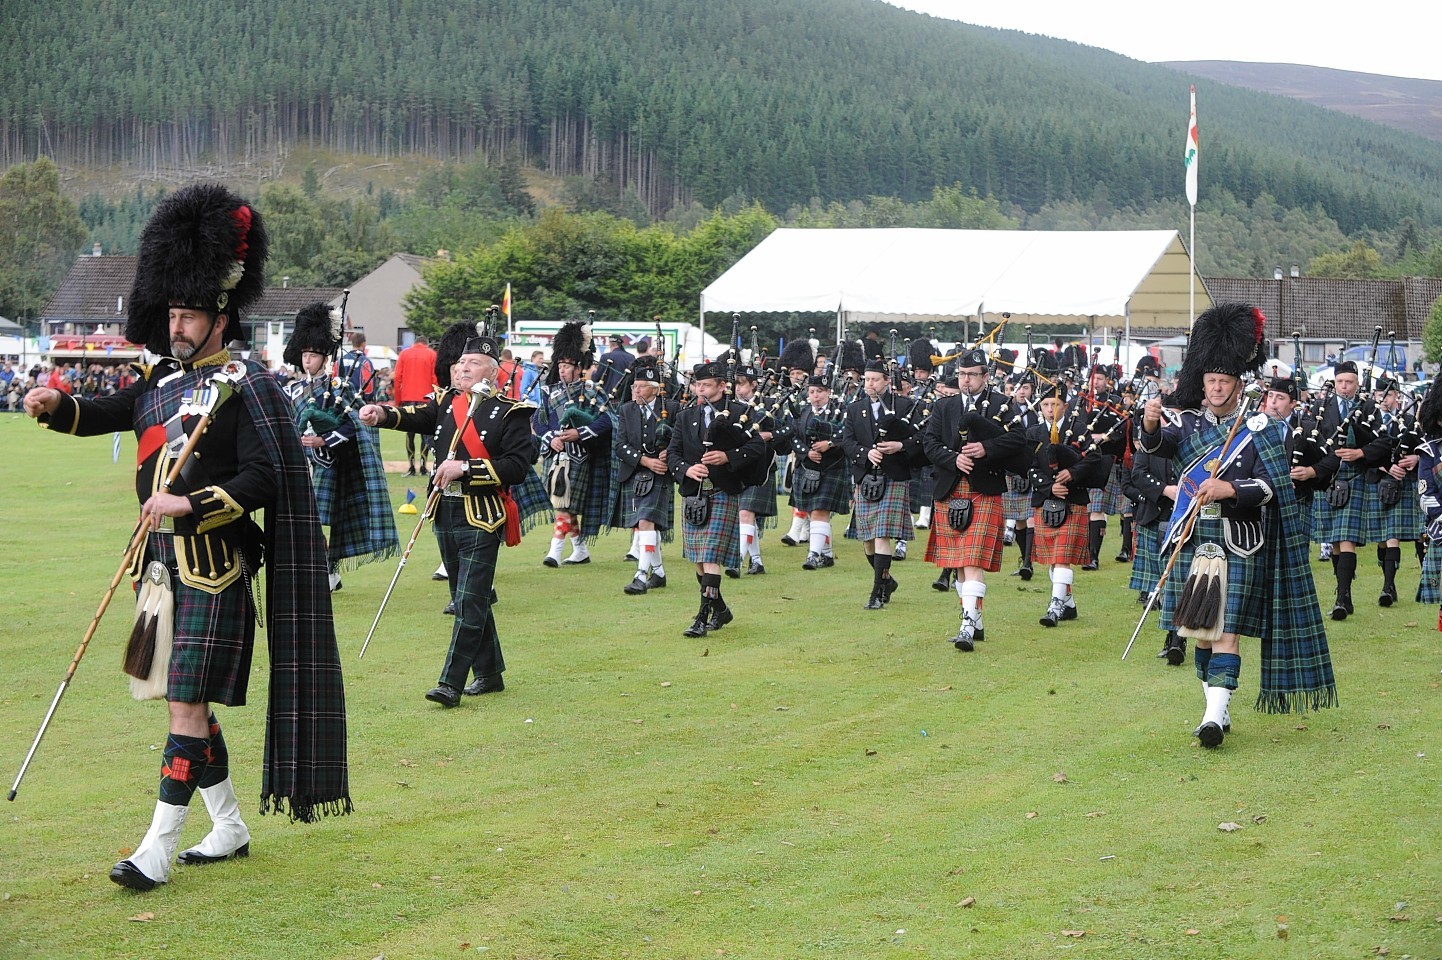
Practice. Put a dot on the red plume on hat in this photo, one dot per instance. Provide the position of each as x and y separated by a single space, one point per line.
1225 339
204 248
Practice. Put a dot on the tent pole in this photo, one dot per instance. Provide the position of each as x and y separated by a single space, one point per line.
701 310
1127 341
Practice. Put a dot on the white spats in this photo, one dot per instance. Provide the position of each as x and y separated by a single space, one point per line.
821 537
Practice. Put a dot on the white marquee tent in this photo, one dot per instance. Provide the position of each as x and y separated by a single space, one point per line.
1119 278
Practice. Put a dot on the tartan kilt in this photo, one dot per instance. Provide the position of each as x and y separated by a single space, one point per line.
719 541
1349 523
888 517
658 506
1064 544
1147 557
214 638
1247 589
1402 521
1109 499
833 493
761 500
919 490
1429 584
980 546
1016 502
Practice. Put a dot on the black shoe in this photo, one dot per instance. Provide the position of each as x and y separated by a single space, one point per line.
551 562
942 583
480 685
425 471
128 875
966 638
827 560
812 562
899 553
1388 597
439 576
1025 571
1176 651
890 586
1091 565
877 599
733 573
195 858
1339 610
571 561
444 694
450 610
786 540
637 586
655 581
411 470
756 569
1054 613
630 557
698 626
1142 597
1211 735
720 616
1068 612
1123 557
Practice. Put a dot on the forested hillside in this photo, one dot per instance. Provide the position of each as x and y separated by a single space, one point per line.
783 102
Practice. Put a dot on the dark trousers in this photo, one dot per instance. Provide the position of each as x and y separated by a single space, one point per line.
470 557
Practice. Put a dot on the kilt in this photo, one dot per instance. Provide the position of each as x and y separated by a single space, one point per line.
1064 544
833 493
1016 502
1147 560
1349 523
919 490
761 500
658 506
980 546
1429 590
888 517
1401 521
719 541
1247 590
214 638
1109 499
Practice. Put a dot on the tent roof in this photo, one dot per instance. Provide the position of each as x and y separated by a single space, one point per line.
918 273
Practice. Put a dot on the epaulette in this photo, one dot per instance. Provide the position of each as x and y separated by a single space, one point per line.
153 372
516 403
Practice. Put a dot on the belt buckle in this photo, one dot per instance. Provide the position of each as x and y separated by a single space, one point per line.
452 489
1211 511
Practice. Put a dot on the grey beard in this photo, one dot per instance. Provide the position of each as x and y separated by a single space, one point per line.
182 351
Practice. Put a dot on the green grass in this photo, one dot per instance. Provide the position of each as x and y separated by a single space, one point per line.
810 782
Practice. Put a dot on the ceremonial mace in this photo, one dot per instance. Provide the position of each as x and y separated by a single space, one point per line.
480 390
223 384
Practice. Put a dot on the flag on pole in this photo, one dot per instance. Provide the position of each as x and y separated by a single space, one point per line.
409 506
506 306
1189 156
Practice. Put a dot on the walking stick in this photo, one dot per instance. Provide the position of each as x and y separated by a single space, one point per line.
224 382
1190 520
480 390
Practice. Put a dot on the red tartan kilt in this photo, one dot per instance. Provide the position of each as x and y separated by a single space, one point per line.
980 546
1064 544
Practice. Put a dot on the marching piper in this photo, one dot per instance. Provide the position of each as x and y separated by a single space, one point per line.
645 491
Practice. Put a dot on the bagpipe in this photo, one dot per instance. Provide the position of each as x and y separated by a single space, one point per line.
732 428
329 399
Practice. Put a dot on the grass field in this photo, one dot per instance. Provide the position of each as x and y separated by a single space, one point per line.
816 780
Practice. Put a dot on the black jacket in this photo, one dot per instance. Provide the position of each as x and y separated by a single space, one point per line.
1006 450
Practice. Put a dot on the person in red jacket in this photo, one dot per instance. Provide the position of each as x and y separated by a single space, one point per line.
415 382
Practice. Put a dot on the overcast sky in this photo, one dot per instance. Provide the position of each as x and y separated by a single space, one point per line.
1389 37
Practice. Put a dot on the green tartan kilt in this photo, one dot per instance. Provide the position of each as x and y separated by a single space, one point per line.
1428 589
1350 523
658 506
214 638
719 539
761 500
1147 559
1016 502
1109 499
1401 521
1247 589
833 493
888 517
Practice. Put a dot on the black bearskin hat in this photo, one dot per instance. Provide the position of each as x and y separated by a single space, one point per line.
1006 359
853 357
203 248
797 355
1225 339
1429 412
571 343
1148 366
317 330
919 354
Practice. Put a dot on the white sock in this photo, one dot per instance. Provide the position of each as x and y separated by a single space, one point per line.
972 592
1011 525
924 515
1061 581
821 537
798 529
635 550
748 541
1218 698
648 552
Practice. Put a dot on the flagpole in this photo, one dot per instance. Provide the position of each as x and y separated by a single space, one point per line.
1189 160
